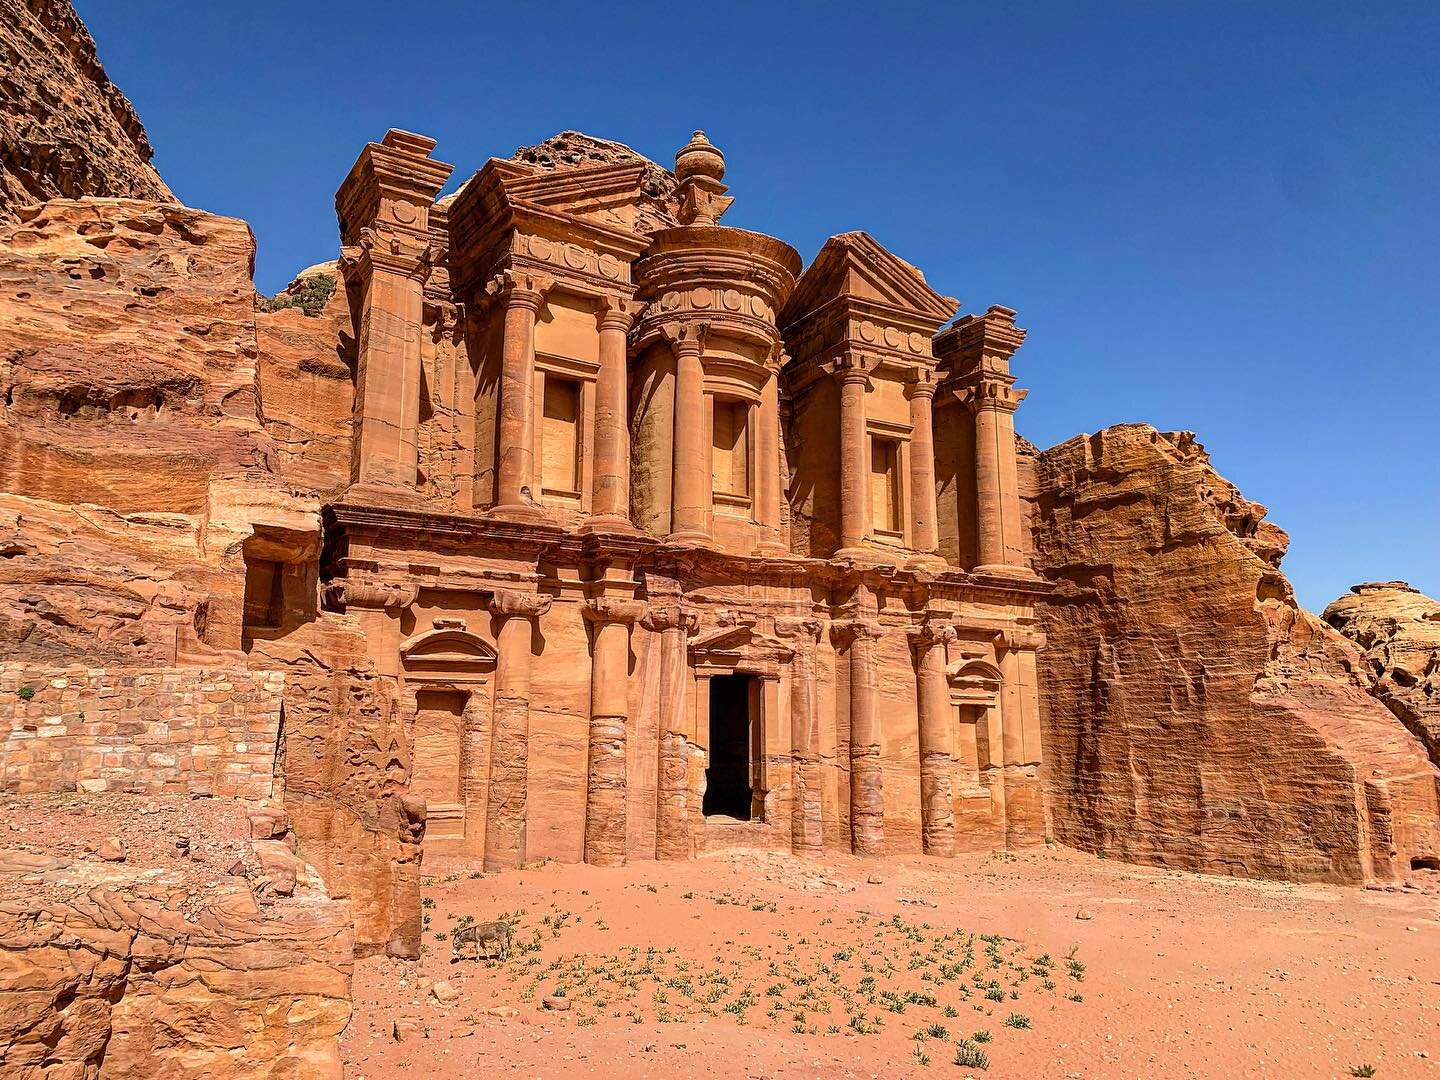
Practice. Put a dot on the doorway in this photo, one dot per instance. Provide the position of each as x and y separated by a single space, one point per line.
436 743
734 742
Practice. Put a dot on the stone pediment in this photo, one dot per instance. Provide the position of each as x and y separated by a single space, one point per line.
448 649
854 266
741 641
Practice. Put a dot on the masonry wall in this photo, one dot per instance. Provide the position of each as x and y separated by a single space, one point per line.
143 731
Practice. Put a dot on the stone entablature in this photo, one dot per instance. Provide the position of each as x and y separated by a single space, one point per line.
672 569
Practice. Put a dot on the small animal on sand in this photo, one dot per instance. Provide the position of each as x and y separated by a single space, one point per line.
493 938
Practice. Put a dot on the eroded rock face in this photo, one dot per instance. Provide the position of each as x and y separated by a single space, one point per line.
201 953
1399 629
69 131
160 440
1196 716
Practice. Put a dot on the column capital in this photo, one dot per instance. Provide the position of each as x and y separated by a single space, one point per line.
350 592
686 338
849 631
603 610
617 313
930 633
1020 639
851 366
921 382
519 289
806 630
508 603
662 617
998 394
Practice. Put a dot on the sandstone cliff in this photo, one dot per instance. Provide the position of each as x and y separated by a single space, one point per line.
1195 715
1399 629
160 438
65 128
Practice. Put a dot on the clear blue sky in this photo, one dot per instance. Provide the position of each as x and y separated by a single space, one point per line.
1222 217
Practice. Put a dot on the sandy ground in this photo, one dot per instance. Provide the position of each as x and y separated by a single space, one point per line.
1041 964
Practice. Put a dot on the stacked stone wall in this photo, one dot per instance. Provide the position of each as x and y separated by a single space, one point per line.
151 731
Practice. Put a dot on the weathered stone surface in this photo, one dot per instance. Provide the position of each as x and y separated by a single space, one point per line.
161 966
1399 629
68 130
1195 715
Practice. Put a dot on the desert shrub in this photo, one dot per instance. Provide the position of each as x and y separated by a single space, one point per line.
310 295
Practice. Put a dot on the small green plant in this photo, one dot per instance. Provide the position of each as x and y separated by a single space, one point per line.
1018 1020
938 1031
309 294
921 1058
981 1036
970 1056
25 693
1362 1070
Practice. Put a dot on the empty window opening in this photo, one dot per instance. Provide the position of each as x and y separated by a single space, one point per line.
885 485
264 594
560 438
730 457
435 747
729 780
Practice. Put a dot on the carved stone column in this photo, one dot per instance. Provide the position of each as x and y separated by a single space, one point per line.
767 509
610 496
609 713
807 830
673 796
517 613
384 206
852 371
867 797
932 692
997 488
521 294
921 390
690 489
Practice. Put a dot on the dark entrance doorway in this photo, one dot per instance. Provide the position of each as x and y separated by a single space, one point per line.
729 787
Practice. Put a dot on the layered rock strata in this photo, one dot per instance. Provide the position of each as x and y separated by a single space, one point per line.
1195 715
1399 629
65 129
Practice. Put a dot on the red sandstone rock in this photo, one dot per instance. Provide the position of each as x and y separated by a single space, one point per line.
1195 715
68 130
1399 629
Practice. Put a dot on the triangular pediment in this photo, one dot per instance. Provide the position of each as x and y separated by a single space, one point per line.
740 640
855 266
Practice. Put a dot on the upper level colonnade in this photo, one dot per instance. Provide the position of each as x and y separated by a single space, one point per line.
586 346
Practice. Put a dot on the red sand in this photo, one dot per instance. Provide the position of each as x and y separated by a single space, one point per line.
1183 975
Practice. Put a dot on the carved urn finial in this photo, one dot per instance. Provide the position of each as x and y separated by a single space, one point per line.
699 157
700 167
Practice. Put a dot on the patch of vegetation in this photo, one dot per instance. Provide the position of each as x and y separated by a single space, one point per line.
25 693
970 1056
1362 1070
309 294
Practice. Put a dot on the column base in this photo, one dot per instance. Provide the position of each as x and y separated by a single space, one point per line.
517 512
1020 573
772 549
690 536
926 560
609 523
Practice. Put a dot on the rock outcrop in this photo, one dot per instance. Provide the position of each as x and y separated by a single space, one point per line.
161 440
1399 629
65 129
1195 715
163 962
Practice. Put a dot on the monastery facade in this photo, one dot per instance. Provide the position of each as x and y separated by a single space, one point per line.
664 543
